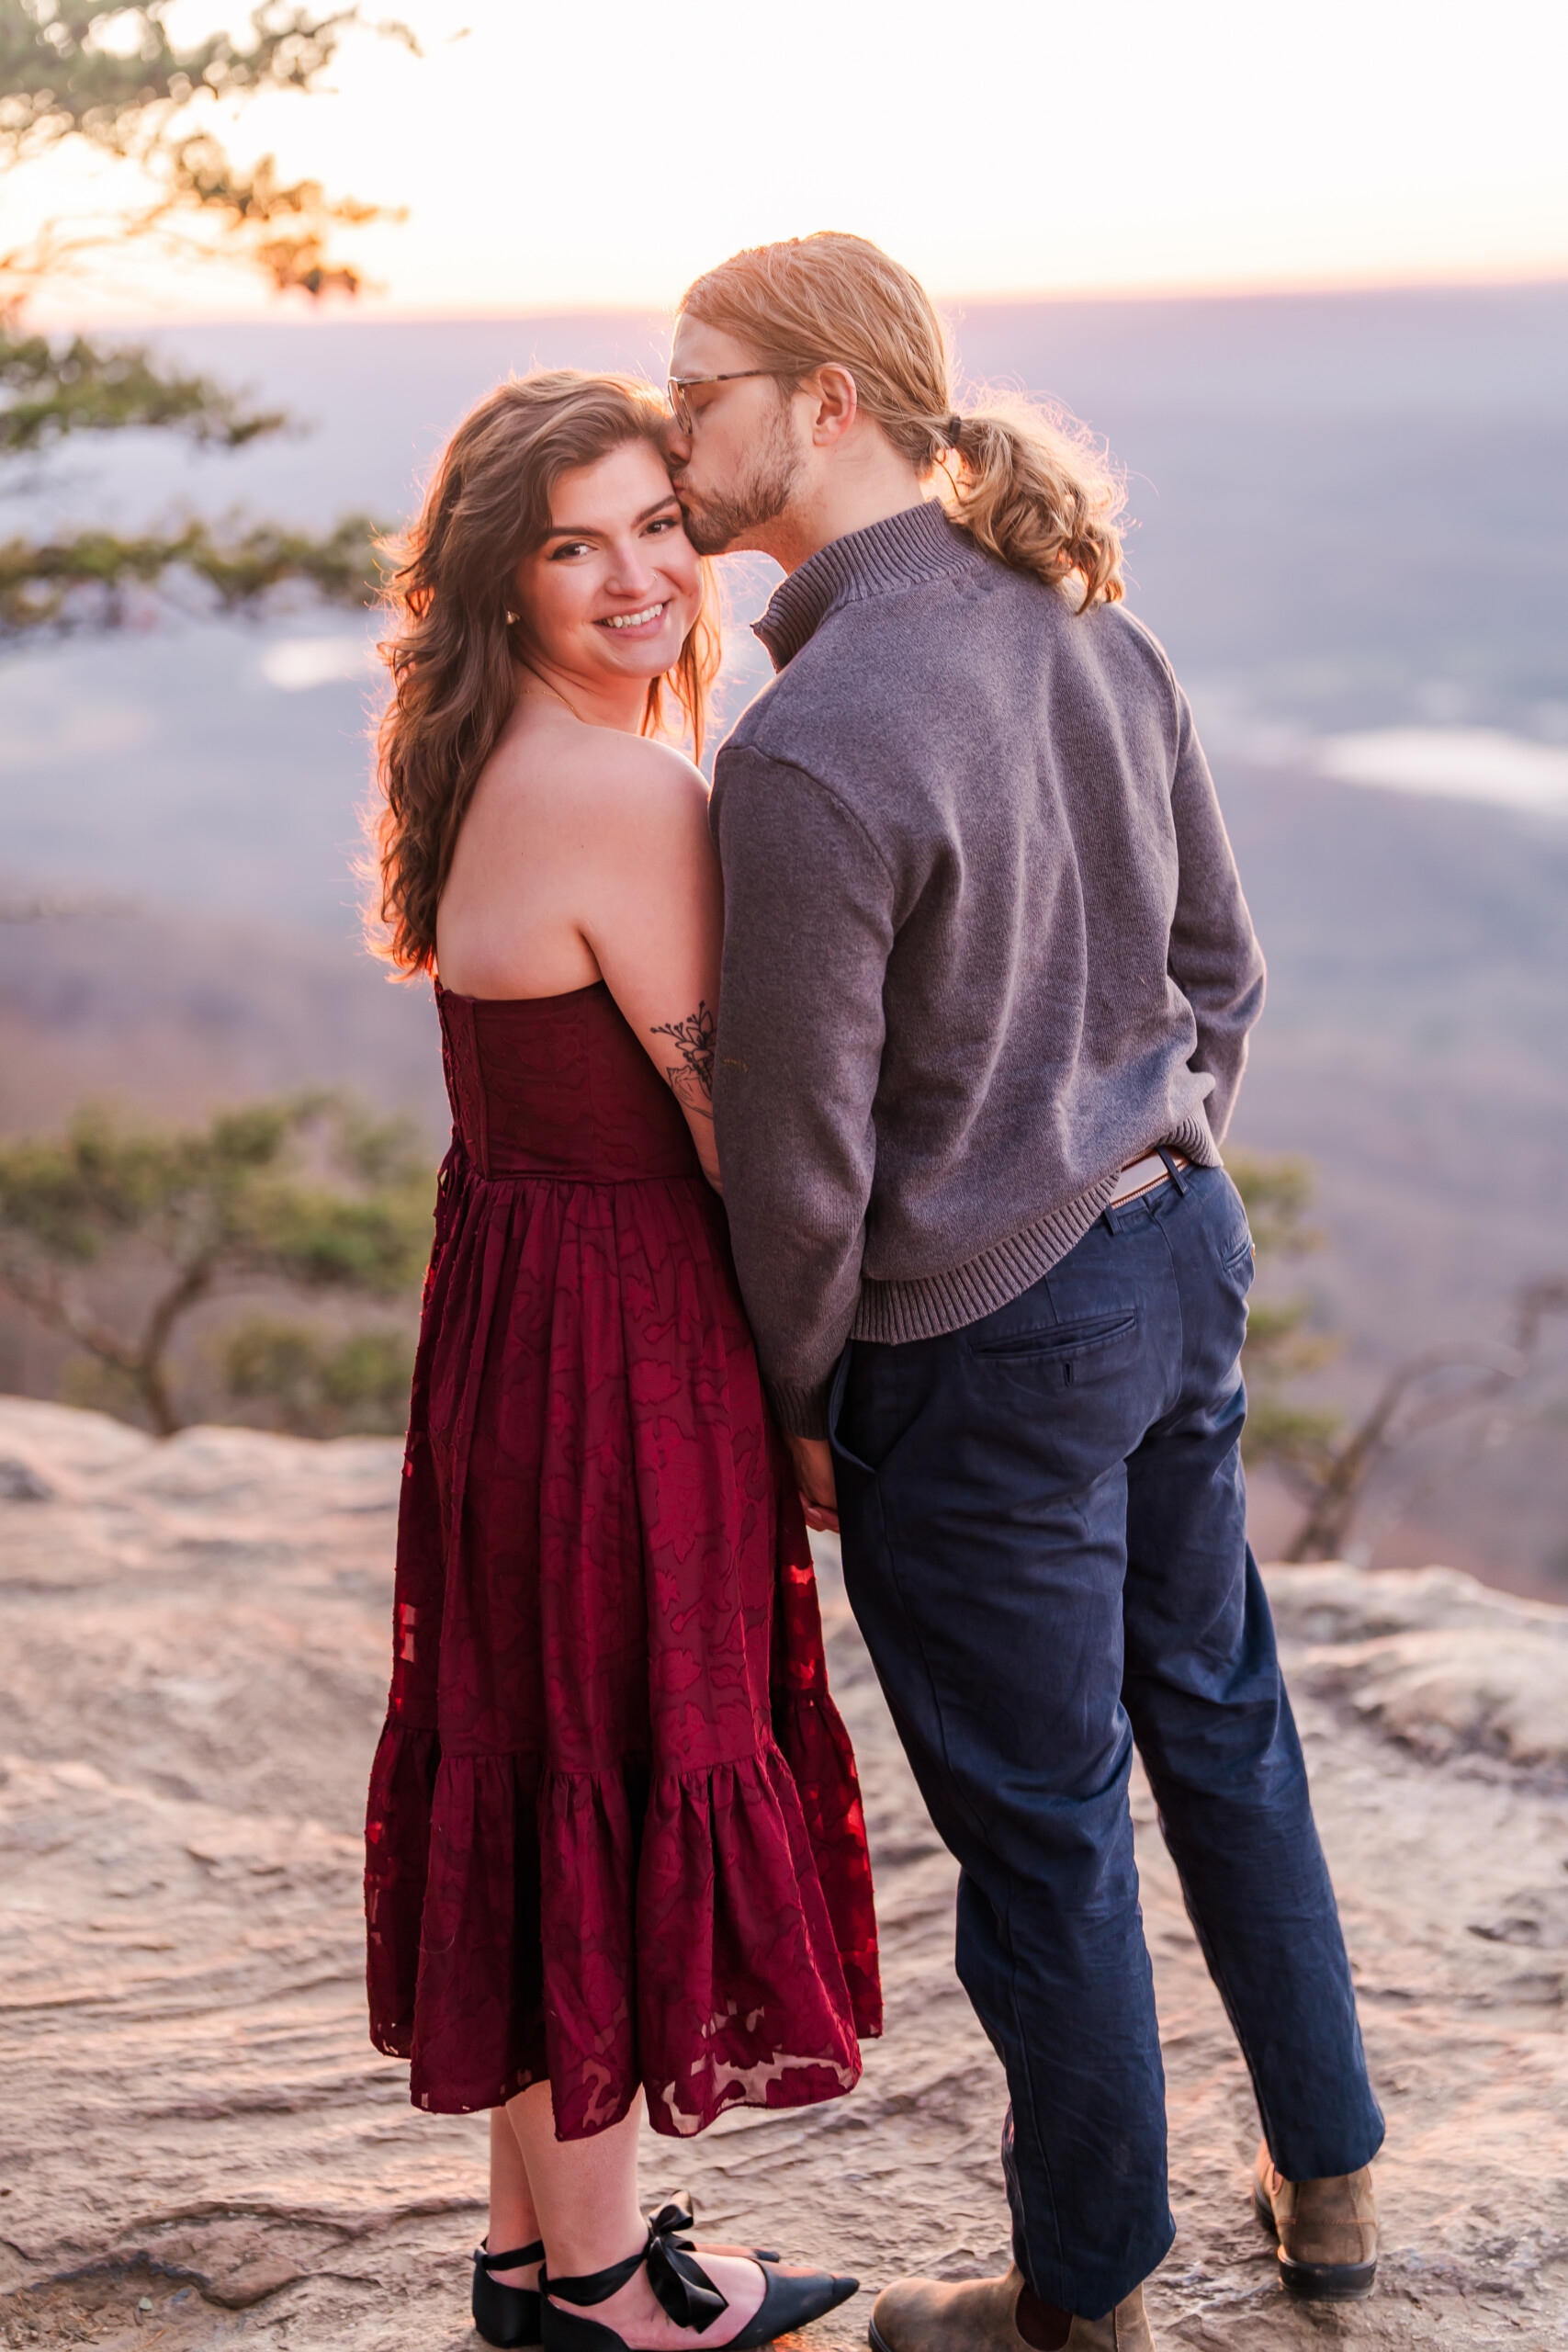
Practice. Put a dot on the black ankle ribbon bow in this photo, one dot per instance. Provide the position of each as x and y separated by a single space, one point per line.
676 2277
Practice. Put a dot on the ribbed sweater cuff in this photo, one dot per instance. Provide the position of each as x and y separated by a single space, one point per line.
801 1412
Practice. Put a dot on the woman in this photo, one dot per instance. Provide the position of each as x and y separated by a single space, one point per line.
615 1839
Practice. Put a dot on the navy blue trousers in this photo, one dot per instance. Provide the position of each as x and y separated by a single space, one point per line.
1046 1548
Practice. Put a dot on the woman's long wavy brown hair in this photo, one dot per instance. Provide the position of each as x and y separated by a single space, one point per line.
457 640
1028 482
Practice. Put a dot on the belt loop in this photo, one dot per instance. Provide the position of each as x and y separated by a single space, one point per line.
1171 1170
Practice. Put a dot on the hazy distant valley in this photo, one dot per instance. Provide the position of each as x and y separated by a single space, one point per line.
1352 533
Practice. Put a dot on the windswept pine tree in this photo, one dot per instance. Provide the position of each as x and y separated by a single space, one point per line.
1478 1391
112 1234
109 80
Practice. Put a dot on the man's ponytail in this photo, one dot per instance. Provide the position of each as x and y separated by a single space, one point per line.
1031 487
1042 497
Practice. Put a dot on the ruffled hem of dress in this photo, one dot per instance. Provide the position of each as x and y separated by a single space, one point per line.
677 1932
397 1849
815 1746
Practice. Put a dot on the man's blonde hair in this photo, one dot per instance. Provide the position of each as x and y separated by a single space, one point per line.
1028 485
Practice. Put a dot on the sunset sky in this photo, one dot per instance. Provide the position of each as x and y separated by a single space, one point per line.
565 157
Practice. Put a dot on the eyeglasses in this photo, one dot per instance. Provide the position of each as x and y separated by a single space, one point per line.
678 385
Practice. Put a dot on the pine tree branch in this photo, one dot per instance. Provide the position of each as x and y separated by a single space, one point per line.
204 211
136 99
59 78
45 1292
109 75
49 390
86 581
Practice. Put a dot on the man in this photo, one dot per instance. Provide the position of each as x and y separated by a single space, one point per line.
988 980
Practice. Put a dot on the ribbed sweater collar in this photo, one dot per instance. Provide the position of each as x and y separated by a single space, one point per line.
903 551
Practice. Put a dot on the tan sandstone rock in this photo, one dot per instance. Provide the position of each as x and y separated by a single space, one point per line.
200 2146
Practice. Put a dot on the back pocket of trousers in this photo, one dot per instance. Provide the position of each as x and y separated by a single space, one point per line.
1064 1355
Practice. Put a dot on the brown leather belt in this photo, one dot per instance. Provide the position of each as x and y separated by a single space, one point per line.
1142 1176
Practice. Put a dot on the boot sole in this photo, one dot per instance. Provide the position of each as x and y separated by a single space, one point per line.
1316 2283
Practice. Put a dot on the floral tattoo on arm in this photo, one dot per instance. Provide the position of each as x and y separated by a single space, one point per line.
691 1077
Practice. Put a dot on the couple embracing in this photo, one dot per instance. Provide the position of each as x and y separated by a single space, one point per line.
841 1151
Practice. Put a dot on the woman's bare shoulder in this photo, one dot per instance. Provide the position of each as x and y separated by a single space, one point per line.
636 768
575 771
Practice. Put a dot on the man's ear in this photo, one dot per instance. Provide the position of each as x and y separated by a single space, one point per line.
837 404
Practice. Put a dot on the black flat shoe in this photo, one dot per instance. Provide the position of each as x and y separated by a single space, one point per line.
791 2301
509 2316
506 2316
687 2293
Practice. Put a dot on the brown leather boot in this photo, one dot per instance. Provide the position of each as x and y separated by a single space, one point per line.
1328 2231
979 2315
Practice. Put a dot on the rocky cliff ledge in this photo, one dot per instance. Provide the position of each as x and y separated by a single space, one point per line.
200 2143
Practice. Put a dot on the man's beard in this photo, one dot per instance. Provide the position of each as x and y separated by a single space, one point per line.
758 496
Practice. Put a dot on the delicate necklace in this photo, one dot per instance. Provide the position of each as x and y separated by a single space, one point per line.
557 691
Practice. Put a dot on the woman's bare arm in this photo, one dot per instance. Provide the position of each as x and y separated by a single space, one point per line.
654 918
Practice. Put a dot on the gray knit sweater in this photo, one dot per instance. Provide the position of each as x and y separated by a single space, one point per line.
985 942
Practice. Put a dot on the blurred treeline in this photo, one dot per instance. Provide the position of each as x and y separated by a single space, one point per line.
1430 1413
310 1218
309 1223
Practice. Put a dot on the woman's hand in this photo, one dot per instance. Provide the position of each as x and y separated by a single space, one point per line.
813 1460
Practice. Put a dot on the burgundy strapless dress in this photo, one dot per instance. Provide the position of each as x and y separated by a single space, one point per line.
614 1835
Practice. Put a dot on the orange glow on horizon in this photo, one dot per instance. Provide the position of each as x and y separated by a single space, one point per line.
1219 151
